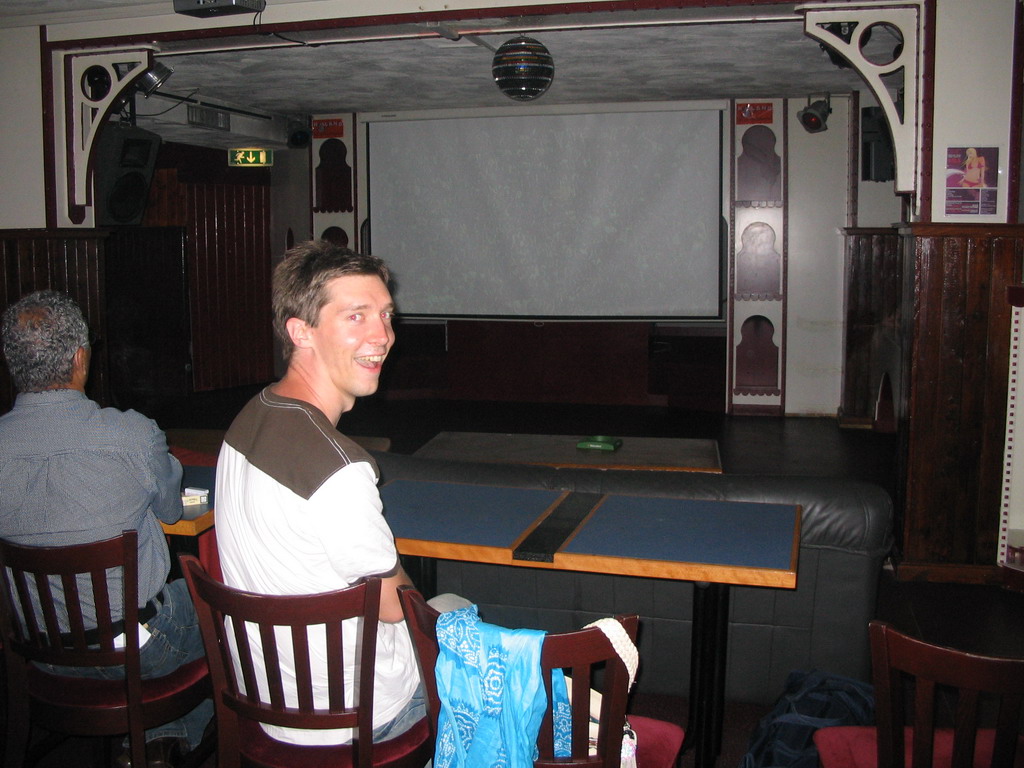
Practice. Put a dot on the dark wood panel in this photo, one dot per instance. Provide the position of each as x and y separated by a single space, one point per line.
572 362
148 334
960 323
872 355
226 216
65 260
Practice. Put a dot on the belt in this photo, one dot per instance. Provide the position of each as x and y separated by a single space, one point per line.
146 612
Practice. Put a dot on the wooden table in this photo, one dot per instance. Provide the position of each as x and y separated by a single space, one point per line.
660 453
713 544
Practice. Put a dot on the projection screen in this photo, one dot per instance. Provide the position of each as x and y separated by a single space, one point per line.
603 215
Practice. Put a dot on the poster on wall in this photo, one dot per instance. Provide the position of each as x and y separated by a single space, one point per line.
751 113
972 180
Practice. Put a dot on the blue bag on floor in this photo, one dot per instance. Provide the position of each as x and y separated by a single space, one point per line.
811 700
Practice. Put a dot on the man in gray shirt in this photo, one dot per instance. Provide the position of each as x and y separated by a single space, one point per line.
74 473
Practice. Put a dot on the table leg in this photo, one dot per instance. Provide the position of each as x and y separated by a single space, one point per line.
708 652
423 573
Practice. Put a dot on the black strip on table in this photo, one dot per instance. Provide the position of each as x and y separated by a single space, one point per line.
544 540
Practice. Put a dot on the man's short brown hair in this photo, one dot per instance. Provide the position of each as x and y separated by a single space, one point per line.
300 282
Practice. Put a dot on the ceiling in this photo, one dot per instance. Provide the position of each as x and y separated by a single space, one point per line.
626 56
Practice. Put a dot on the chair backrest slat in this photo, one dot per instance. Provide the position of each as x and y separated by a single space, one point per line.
951 689
335 665
271 665
101 601
303 671
25 615
243 653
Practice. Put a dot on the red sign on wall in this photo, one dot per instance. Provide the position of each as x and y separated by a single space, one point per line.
329 128
753 112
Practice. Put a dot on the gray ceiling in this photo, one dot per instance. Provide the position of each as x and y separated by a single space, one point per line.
675 54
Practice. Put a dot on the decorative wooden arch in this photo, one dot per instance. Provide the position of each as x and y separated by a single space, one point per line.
82 107
906 16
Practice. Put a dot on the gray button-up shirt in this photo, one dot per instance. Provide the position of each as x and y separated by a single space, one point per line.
72 473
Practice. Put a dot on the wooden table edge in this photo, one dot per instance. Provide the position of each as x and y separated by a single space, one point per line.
189 527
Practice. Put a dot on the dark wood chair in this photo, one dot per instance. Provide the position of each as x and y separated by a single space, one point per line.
36 628
240 713
580 654
970 686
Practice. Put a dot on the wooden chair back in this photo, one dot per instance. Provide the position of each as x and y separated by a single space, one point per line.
44 595
42 603
586 655
231 619
937 677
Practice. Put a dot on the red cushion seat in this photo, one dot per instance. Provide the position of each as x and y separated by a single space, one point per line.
857 747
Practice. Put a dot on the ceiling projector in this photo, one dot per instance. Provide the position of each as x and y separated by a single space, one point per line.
205 8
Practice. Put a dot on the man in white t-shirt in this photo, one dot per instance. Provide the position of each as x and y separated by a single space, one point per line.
298 510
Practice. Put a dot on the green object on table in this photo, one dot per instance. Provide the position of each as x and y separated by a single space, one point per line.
599 443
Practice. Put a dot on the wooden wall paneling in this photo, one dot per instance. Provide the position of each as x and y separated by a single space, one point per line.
957 411
567 362
854 407
166 205
1008 269
64 260
872 301
149 341
230 268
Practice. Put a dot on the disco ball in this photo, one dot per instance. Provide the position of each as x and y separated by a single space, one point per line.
523 68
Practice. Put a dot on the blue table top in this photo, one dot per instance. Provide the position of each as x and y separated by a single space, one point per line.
689 531
480 515
726 541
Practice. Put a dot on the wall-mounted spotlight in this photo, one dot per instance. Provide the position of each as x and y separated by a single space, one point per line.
153 78
814 116
523 68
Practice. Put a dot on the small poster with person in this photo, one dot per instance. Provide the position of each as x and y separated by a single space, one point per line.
972 180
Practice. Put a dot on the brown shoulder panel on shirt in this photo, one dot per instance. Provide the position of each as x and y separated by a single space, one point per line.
293 442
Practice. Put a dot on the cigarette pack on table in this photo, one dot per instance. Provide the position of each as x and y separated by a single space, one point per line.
191 496
195 502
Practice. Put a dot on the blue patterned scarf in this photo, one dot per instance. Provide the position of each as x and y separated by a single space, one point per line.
492 695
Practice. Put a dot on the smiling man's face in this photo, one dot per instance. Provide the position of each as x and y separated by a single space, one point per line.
354 334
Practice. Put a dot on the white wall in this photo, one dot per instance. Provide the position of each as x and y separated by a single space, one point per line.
22 187
289 211
973 87
817 165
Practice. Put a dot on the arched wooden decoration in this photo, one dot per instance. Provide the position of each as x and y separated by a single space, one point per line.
758 264
333 178
92 85
846 28
759 167
757 358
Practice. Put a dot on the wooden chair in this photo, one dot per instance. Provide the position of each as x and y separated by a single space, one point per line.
580 654
240 714
36 629
911 737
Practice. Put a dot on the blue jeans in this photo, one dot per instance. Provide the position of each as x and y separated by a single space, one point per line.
174 640
412 713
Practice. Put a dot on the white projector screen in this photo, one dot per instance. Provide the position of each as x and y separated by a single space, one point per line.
611 215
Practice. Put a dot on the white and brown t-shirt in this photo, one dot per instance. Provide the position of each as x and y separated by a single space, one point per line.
298 512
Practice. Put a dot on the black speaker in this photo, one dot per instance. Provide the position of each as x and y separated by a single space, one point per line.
123 164
299 136
877 158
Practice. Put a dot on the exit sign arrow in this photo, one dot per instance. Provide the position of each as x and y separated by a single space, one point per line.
250 157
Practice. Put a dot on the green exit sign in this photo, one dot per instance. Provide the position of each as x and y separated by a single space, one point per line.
250 157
